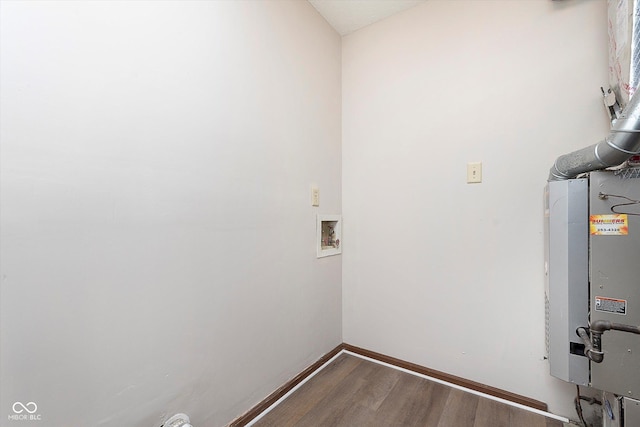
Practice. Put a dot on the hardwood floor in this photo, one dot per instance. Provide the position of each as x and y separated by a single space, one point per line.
353 392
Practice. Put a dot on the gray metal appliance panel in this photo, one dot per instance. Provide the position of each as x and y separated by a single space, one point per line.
567 270
615 274
631 412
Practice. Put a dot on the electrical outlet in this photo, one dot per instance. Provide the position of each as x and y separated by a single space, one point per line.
315 196
474 172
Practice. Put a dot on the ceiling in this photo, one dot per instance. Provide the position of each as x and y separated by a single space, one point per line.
347 16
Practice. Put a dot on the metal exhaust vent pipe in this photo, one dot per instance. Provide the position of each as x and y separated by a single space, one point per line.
622 143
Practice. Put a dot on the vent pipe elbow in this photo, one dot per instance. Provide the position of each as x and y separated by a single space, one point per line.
622 143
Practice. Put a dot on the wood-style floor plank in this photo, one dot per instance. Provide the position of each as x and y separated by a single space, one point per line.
289 412
413 402
438 398
491 414
331 409
518 417
554 423
377 387
354 392
460 409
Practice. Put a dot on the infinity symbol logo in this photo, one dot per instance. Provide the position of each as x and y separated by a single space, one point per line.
22 407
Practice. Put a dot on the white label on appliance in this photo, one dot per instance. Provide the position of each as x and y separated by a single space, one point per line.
611 305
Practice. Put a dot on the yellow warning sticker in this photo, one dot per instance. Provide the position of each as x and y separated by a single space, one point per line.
609 225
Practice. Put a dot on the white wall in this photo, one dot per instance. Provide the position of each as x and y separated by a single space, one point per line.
436 271
158 243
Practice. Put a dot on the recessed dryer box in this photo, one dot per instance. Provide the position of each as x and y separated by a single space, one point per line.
329 235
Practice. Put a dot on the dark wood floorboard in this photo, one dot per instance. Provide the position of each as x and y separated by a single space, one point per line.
353 392
490 413
460 409
518 417
289 412
413 403
338 405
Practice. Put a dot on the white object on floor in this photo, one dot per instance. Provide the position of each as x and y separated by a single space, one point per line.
178 420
